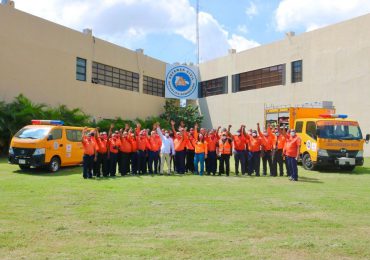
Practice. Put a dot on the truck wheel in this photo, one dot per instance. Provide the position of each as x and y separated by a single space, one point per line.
348 168
307 162
54 164
24 167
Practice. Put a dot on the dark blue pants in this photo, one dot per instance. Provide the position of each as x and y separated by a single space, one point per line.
180 162
124 163
224 164
113 164
254 163
153 158
211 163
101 165
292 166
190 160
88 164
134 162
240 157
142 161
267 158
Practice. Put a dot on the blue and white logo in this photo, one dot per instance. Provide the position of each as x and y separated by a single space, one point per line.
181 82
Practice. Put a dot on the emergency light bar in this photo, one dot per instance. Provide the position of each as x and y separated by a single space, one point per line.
334 116
47 122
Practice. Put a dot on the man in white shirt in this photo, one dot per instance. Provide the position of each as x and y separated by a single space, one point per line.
167 149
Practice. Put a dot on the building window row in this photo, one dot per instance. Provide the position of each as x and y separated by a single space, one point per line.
114 77
213 87
153 86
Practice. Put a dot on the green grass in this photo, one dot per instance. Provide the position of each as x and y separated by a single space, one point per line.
61 216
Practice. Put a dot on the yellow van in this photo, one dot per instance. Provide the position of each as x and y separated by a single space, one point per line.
46 143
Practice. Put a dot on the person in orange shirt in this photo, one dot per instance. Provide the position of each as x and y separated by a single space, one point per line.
224 151
291 150
134 151
155 146
125 150
277 157
211 160
201 151
114 144
142 146
254 153
89 147
179 144
101 163
239 144
190 148
267 146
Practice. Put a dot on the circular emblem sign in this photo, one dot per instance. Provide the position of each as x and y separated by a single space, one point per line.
181 81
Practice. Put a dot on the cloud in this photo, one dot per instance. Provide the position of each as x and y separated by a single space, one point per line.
126 22
242 29
314 14
251 10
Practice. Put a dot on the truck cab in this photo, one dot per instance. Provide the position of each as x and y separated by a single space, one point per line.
330 141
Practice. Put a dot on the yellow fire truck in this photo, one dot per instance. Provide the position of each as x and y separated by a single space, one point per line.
328 139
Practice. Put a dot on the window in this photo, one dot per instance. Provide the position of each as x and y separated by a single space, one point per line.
153 86
114 77
261 78
74 135
311 129
213 87
56 134
81 69
298 127
297 71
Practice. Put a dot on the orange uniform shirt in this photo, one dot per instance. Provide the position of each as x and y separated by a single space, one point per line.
133 144
114 144
291 146
224 147
254 144
212 143
155 143
102 145
278 142
201 147
142 143
125 146
239 142
89 146
179 144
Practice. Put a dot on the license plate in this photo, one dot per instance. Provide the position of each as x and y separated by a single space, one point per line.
21 161
346 161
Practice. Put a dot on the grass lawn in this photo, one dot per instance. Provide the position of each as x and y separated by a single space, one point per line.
61 216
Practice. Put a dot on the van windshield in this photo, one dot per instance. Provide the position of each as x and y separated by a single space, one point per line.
342 130
32 133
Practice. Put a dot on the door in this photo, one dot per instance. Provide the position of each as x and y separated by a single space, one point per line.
73 149
54 146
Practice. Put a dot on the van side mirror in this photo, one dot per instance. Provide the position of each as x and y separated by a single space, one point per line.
50 137
367 138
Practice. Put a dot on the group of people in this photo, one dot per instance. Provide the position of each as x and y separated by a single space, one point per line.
198 151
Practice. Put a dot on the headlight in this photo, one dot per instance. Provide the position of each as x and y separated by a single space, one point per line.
323 152
39 151
360 154
11 152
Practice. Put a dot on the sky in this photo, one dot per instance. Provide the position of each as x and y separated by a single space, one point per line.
166 29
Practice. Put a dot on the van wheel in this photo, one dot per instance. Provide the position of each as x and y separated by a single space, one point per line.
54 164
24 167
307 162
348 168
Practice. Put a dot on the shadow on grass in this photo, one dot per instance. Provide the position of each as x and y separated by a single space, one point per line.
65 171
310 180
359 170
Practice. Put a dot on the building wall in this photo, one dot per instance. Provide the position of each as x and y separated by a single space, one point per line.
38 59
336 67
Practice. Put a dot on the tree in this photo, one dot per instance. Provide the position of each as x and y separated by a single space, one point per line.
189 114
